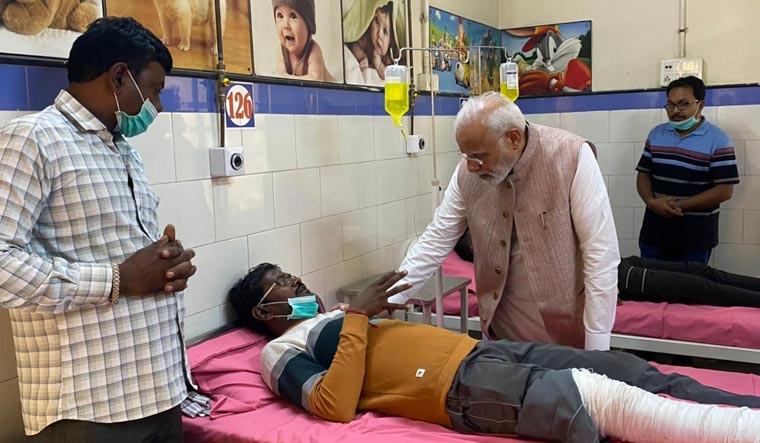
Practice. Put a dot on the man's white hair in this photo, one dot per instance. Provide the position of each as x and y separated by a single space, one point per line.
504 115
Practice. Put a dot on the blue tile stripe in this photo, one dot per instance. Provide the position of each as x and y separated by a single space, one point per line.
31 88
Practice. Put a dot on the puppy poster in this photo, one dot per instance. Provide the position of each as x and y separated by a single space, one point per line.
551 59
374 31
188 29
28 28
296 39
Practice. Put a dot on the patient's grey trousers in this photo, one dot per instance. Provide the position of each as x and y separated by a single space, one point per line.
527 389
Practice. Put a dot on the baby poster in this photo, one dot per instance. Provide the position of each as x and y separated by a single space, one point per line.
188 29
298 40
551 59
26 28
374 31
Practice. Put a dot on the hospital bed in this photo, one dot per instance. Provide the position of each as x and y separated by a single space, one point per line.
692 330
226 367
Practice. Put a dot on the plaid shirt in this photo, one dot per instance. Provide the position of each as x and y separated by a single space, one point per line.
73 199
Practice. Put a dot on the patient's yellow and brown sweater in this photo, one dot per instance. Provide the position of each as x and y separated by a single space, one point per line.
334 365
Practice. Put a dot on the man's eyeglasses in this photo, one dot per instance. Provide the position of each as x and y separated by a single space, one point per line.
475 160
283 280
681 106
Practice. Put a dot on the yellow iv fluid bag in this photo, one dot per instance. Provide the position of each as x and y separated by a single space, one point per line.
396 92
509 86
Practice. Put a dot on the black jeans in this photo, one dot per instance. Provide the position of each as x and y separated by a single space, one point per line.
505 387
691 283
164 427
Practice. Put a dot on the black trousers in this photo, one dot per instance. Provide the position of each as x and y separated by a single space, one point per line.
505 387
691 283
164 427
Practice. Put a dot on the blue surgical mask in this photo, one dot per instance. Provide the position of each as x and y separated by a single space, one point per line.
133 125
302 307
684 125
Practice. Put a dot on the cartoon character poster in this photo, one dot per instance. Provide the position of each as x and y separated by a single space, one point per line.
374 31
39 29
298 40
449 34
484 62
188 29
551 59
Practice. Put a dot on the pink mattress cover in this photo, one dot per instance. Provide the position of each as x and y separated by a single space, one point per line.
736 327
245 411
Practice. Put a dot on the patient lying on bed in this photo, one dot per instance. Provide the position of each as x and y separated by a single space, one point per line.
337 363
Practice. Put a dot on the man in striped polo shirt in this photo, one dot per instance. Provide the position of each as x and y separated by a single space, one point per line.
687 170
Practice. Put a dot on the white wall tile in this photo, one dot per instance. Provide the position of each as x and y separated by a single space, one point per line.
297 196
623 222
740 122
189 206
321 244
752 158
549 119
739 259
271 145
632 125
201 323
317 140
445 139
419 214
400 249
8 364
243 205
424 174
622 191
194 134
234 137
340 189
11 425
731 226
404 181
227 314
338 276
751 227
359 232
356 138
278 246
378 261
389 143
616 158
374 183
220 265
745 194
446 164
391 223
595 125
628 247
156 147
315 282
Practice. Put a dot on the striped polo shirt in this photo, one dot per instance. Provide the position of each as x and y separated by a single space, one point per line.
684 167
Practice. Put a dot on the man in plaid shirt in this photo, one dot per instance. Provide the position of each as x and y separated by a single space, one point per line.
92 286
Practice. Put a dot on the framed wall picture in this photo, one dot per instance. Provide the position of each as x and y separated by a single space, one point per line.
374 31
553 58
187 28
296 39
30 30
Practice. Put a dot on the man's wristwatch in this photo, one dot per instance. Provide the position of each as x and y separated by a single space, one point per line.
115 281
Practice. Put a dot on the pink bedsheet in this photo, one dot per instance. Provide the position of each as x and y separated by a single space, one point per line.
737 327
245 411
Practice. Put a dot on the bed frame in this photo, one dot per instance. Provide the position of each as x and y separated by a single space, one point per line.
631 342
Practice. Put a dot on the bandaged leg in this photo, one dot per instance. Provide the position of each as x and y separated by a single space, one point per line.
635 415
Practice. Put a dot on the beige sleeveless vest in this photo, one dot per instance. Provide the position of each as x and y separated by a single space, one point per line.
536 198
